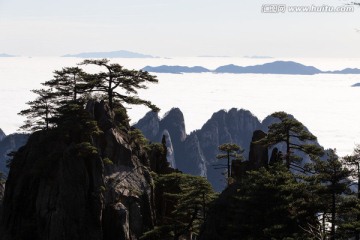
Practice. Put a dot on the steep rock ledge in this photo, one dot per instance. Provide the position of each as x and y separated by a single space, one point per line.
54 191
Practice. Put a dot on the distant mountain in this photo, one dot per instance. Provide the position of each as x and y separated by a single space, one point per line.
356 85
114 54
176 69
213 56
278 67
258 57
196 153
345 71
6 55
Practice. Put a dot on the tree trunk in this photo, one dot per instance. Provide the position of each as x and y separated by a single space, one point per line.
228 166
204 206
287 151
323 226
47 119
333 215
75 90
110 93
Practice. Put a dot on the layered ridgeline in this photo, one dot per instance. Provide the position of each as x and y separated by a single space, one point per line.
113 54
277 67
196 153
4 55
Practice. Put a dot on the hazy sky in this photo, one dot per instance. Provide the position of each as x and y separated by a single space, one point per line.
176 28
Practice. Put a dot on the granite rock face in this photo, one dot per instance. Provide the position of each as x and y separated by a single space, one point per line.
54 191
196 153
172 126
9 144
258 155
2 134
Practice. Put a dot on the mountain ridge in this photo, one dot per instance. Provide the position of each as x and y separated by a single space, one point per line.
176 69
110 54
276 67
195 153
6 55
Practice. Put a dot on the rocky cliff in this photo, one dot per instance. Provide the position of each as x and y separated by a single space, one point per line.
2 134
9 144
196 153
172 126
61 187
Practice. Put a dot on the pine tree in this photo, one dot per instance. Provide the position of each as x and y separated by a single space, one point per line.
40 112
69 87
62 103
117 78
269 203
294 135
68 84
332 182
230 151
184 200
353 161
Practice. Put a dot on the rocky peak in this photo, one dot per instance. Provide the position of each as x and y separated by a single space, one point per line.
172 126
235 126
59 189
149 125
174 122
197 153
258 155
2 134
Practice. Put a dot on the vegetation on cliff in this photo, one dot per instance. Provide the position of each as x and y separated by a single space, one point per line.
72 87
182 204
82 174
85 173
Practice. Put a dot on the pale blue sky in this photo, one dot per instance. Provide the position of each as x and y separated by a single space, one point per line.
176 28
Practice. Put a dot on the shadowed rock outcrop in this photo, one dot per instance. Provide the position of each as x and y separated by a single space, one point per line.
258 155
196 153
2 134
215 227
9 144
2 190
60 189
172 126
